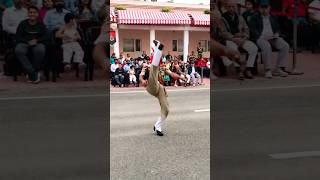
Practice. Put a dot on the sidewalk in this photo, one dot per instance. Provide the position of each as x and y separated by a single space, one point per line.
206 84
66 81
70 81
306 62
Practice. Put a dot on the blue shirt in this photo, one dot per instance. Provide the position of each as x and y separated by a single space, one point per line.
126 68
53 19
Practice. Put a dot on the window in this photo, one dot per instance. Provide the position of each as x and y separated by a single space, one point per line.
174 45
131 45
205 44
177 45
180 46
128 45
138 45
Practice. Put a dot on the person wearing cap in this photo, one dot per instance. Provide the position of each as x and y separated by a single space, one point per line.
149 78
265 31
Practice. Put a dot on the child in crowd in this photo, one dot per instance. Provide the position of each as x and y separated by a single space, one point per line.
132 76
70 37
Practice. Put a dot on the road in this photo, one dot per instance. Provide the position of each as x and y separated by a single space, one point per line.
257 121
183 153
53 134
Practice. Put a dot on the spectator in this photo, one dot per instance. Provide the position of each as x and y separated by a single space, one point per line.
31 36
143 55
236 33
140 61
192 56
250 11
128 57
121 58
13 16
314 13
202 63
85 11
119 76
47 5
70 37
168 56
132 76
71 5
126 66
199 49
54 18
195 76
265 32
114 67
112 58
176 69
184 73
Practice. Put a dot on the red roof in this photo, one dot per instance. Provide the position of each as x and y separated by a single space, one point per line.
153 17
112 15
201 19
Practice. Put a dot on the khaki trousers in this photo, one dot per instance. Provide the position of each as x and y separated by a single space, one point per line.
157 90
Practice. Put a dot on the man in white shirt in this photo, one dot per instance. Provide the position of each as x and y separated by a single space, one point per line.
195 76
13 16
114 66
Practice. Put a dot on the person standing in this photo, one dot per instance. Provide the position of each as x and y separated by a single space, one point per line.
150 81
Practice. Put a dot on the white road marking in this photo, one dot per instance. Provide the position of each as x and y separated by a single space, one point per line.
202 110
168 90
295 155
266 88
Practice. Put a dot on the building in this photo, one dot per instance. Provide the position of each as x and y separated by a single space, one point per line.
180 30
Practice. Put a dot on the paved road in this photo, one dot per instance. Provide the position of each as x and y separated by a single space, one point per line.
252 121
53 134
183 153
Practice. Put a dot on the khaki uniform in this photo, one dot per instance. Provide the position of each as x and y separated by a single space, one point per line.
156 89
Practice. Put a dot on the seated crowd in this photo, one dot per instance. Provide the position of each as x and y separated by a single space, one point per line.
35 30
125 70
259 29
